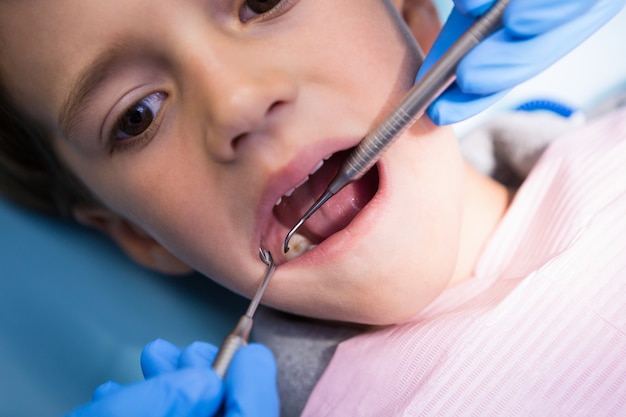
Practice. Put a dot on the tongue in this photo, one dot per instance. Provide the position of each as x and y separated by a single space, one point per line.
336 213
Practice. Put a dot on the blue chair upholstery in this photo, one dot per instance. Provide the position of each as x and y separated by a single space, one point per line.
76 312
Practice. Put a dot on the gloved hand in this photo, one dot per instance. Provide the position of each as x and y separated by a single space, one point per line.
182 383
536 34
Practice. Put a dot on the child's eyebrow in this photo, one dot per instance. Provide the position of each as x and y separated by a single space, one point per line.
87 83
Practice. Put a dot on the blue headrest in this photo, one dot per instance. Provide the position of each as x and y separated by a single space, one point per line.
76 312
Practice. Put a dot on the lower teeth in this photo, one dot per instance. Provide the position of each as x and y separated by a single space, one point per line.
298 245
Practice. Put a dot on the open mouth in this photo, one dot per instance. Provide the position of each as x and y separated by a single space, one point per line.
333 216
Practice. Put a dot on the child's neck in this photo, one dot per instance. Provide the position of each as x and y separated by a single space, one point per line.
485 203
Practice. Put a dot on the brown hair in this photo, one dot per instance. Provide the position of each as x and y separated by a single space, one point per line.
31 174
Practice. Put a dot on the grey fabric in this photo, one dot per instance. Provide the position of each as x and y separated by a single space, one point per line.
302 347
507 147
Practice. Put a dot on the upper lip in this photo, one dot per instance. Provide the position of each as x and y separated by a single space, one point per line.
291 175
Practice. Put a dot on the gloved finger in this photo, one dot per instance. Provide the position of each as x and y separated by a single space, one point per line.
188 393
455 25
454 105
529 17
501 62
197 354
473 8
158 357
105 389
532 17
250 384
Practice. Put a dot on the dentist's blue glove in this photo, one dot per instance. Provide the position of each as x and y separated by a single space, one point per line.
536 34
182 384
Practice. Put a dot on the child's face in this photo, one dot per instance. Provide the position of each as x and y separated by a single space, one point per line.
191 119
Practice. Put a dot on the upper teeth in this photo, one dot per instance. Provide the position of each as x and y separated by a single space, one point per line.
313 171
316 167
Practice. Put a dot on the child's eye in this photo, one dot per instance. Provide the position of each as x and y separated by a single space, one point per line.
264 8
138 118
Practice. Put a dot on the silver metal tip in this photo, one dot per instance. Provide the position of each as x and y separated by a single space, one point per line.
291 233
265 256
320 201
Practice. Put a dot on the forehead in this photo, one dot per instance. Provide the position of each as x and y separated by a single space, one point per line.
44 43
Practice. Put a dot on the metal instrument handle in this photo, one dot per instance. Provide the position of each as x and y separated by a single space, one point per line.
421 95
231 344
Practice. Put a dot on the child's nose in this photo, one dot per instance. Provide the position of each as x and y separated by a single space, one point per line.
244 100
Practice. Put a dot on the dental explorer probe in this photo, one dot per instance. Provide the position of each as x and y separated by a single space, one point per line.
240 334
417 100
